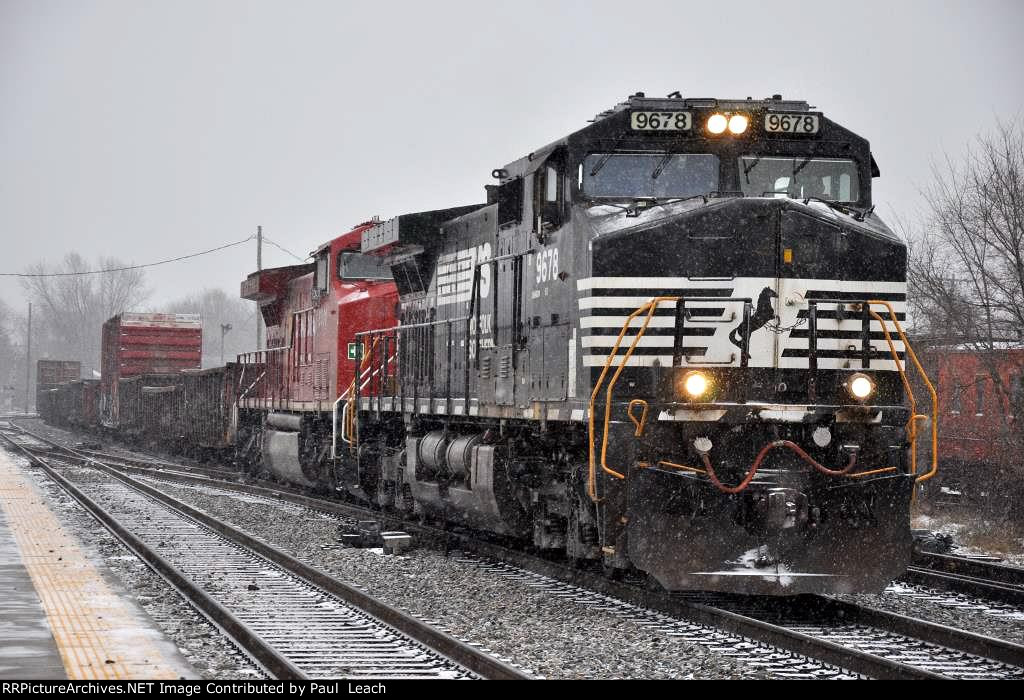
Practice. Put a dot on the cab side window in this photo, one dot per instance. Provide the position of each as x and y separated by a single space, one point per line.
549 196
320 278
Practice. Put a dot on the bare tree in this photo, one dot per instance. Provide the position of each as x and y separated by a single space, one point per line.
966 271
228 324
12 361
71 309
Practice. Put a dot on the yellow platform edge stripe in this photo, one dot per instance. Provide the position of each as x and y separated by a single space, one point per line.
99 635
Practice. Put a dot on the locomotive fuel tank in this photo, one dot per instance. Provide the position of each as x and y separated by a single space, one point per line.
283 453
462 478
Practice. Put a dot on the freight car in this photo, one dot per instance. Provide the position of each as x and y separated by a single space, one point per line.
669 342
52 373
202 411
73 404
135 344
982 440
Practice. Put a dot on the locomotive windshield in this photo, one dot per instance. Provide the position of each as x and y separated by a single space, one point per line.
362 267
659 175
834 179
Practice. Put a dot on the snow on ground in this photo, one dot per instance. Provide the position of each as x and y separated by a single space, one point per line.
978 536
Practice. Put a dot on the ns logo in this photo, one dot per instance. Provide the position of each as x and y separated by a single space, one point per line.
454 274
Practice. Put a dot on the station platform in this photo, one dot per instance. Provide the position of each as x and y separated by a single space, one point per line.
64 615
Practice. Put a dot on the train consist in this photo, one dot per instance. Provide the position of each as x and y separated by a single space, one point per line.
667 342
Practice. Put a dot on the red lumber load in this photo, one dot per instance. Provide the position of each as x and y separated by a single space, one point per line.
137 343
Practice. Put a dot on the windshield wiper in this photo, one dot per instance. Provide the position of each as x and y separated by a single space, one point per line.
644 203
843 207
661 165
611 151
803 164
748 168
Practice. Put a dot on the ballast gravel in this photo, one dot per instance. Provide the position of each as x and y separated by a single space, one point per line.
548 637
209 652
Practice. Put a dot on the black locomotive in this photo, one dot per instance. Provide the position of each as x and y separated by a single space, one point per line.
653 347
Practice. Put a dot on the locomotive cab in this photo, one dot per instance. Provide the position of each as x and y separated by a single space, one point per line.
312 313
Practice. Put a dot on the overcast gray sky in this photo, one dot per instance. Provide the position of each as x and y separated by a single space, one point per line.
148 130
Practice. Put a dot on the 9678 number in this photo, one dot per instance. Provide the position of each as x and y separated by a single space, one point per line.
791 123
660 121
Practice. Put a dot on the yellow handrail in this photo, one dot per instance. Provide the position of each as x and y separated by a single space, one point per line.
643 416
348 430
650 307
931 390
911 423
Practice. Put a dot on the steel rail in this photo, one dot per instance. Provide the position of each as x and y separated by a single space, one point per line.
965 566
265 655
795 642
469 657
968 585
155 463
864 663
967 642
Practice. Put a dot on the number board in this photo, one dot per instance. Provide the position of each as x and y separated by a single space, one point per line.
661 121
791 123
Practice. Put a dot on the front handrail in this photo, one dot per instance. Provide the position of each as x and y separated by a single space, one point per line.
349 431
651 306
643 415
914 416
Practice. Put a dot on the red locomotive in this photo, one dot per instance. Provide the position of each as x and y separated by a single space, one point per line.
289 393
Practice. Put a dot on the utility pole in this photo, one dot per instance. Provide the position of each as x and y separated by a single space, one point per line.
259 268
28 358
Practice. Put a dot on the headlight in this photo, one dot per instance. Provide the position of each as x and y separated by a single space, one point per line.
695 384
717 123
861 386
738 123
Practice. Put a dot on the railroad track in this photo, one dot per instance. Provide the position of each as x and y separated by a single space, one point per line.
972 577
155 463
968 590
294 621
816 635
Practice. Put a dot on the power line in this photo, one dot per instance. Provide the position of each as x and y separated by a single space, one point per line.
127 267
282 248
